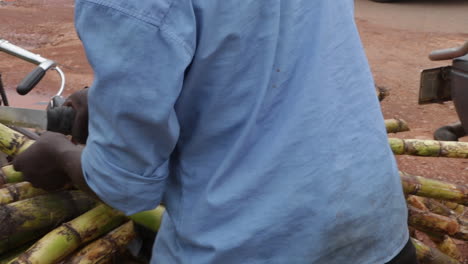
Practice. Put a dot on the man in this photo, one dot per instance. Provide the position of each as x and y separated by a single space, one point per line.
256 122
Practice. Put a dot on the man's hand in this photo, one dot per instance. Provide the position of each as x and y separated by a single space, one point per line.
79 102
45 163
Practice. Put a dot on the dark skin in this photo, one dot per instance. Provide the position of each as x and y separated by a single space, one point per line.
79 102
53 161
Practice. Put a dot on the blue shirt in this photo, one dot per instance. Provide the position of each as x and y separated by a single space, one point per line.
255 121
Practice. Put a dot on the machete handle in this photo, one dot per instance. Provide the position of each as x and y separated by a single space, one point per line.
60 119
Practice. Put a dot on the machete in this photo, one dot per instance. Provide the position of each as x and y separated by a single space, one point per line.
56 119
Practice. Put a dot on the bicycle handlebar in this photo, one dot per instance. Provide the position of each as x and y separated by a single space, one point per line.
34 77
449 54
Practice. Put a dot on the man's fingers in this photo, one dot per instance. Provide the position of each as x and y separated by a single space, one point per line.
79 102
20 162
80 128
42 164
39 152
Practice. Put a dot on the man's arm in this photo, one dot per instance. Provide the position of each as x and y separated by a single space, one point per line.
72 166
139 64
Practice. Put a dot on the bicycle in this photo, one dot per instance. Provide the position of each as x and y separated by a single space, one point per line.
29 82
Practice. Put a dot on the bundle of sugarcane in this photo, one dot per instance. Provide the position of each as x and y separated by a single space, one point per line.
436 219
94 233
439 228
430 255
437 209
29 214
32 218
26 219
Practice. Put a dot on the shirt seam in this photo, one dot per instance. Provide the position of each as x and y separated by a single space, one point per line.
163 18
149 21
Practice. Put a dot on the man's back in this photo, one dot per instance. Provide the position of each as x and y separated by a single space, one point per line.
281 155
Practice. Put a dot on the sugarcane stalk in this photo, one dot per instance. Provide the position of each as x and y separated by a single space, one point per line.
436 207
433 223
420 186
9 175
11 142
12 255
427 221
447 246
24 220
417 202
396 125
430 255
150 219
18 191
462 233
65 239
457 208
106 248
443 242
439 208
429 148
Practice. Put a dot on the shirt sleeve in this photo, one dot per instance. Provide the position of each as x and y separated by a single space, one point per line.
139 67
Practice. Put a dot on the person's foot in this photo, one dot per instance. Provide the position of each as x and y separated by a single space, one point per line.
450 132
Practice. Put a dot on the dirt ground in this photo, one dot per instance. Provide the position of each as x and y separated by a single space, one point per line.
397 45
44 27
397 38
